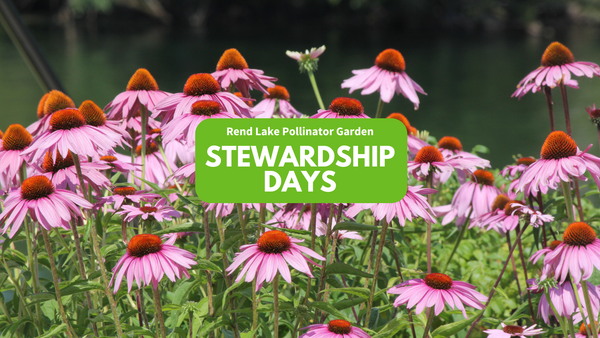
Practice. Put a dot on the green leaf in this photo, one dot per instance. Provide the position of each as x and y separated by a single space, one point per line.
455 327
500 291
80 286
346 269
185 227
361 292
231 288
203 264
183 290
12 328
347 303
230 241
329 309
354 227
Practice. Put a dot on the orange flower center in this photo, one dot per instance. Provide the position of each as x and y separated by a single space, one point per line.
429 154
526 161
274 242
124 191
277 92
450 143
400 118
1 134
56 101
579 234
40 108
231 58
66 119
413 131
36 187
339 326
148 210
346 106
206 108
438 281
16 138
390 59
557 55
142 80
93 115
509 208
558 145
108 158
554 244
500 202
583 331
483 176
144 244
151 148
154 131
201 84
51 166
513 329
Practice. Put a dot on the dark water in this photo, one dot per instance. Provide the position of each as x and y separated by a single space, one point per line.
468 79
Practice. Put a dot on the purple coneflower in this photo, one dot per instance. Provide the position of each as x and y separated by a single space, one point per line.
512 171
343 108
435 290
270 255
232 69
63 174
429 160
94 116
50 103
337 328
15 140
277 96
413 142
386 76
505 215
156 167
127 194
148 260
117 165
159 211
509 331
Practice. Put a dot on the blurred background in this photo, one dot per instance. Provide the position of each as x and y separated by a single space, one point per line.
468 55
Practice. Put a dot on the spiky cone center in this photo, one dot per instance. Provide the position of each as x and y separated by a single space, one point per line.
36 187
526 161
583 330
429 154
438 281
483 176
142 80
556 54
56 101
233 59
154 131
277 92
16 137
500 202
558 145
124 191
509 208
201 84
144 244
93 115
579 234
274 242
108 158
67 119
40 108
151 148
52 166
206 108
554 244
513 330
339 326
148 209
595 116
450 143
346 106
390 59
401 118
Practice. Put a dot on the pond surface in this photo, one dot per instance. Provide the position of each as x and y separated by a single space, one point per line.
468 79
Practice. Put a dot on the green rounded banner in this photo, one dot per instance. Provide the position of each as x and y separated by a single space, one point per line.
301 160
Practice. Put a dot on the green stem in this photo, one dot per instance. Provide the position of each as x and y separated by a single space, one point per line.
221 231
568 201
324 253
588 306
144 114
311 76
379 109
430 317
313 237
164 156
158 312
571 327
242 221
583 318
276 305
560 319
384 226
428 235
461 234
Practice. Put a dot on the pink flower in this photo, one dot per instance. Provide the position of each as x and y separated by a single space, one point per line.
156 167
50 103
429 160
413 205
63 173
511 171
186 171
148 260
557 65
272 253
68 132
337 328
279 97
232 69
142 90
127 194
451 146
312 54
46 205
435 290
413 142
116 165
199 87
579 252
386 76
94 116
158 211
560 159
473 198
343 108
594 114
15 140
185 125
509 331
